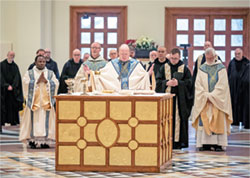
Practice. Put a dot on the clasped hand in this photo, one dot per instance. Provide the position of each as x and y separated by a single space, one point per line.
172 83
42 79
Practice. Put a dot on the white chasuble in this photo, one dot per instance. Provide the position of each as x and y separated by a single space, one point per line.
38 121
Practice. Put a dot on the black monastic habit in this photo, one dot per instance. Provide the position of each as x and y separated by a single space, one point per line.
70 69
245 97
158 65
235 73
11 101
184 94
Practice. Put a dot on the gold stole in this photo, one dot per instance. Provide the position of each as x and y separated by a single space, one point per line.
217 124
41 98
153 81
199 61
168 90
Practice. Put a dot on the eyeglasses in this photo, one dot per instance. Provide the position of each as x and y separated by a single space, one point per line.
95 48
76 54
161 51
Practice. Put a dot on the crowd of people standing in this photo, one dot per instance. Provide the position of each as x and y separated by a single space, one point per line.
213 96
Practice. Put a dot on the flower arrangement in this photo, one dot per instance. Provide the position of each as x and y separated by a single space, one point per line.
142 46
143 43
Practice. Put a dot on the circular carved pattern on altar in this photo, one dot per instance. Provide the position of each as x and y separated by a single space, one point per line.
107 132
81 121
133 145
81 144
133 122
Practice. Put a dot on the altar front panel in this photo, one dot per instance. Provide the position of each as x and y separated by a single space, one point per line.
113 133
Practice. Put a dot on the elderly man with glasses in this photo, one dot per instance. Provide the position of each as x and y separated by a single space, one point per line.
70 69
95 60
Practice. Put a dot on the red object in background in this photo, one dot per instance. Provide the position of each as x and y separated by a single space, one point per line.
131 42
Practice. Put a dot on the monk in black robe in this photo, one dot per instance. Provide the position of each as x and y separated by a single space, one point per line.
176 78
70 69
235 73
161 59
245 97
11 91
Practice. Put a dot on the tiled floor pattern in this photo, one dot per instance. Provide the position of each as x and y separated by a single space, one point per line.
42 164
189 163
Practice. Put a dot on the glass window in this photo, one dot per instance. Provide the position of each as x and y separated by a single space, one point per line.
219 24
84 50
196 54
102 52
182 24
219 40
199 24
181 50
99 22
86 23
85 38
99 37
237 24
112 22
112 38
232 54
236 40
199 40
181 39
222 54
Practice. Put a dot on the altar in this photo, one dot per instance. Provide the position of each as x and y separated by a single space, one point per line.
113 133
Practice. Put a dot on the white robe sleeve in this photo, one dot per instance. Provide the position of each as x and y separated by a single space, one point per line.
78 85
25 82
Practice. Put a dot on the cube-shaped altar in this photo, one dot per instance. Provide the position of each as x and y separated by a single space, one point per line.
113 133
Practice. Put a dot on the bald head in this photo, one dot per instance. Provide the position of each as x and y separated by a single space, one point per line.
124 52
152 56
162 52
11 55
238 54
76 55
207 44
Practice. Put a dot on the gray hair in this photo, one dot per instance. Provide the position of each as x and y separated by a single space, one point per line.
210 51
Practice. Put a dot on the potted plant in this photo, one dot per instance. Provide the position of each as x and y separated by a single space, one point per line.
142 46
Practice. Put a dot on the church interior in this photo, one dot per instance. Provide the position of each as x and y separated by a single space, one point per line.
59 25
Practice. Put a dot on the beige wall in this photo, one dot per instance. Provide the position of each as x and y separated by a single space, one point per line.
22 23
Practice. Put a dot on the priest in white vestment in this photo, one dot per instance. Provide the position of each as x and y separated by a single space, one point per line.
212 111
122 73
38 122
95 61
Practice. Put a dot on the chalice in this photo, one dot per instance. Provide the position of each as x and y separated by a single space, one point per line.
70 82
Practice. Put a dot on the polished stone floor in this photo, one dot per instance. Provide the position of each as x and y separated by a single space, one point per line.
190 163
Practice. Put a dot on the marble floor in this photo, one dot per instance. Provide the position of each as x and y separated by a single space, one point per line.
190 163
